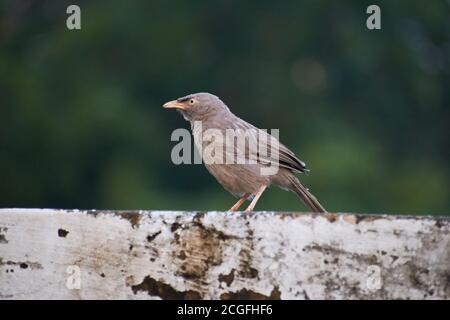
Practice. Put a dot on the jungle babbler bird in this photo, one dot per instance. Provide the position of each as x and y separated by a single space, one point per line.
244 179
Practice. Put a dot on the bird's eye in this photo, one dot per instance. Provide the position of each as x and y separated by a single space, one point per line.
191 101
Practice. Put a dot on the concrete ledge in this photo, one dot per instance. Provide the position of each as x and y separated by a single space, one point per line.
70 254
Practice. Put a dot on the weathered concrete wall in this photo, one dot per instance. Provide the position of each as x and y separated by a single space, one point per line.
151 255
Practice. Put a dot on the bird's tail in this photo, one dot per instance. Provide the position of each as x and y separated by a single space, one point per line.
306 196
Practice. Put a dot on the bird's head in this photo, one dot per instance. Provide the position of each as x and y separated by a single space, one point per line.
197 106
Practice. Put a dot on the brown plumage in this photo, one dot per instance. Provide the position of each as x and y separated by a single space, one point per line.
244 179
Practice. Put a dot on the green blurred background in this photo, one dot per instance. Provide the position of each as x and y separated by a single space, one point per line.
82 124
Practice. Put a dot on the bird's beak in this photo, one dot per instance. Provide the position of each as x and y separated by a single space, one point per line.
174 105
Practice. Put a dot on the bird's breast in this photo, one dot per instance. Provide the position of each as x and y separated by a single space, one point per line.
197 133
238 179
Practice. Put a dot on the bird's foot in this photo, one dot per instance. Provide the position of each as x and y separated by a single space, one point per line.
250 207
239 203
255 199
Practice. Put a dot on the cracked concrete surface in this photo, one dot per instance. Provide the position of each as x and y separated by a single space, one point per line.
221 255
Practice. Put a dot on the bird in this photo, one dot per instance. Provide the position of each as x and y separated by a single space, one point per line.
243 178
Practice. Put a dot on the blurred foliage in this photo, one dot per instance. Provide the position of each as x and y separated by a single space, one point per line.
82 124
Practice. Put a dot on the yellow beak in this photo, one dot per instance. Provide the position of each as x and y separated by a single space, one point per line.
174 104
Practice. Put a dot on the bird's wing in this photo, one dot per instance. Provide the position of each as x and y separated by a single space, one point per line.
265 148
288 158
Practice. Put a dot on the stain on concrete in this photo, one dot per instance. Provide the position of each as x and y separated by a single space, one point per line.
442 222
199 216
164 291
62 233
446 281
350 219
182 255
21 264
245 294
2 235
335 285
367 218
175 226
129 281
197 248
334 252
152 237
245 265
419 277
305 295
331 217
227 278
133 217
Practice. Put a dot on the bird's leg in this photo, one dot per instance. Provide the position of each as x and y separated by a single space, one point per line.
239 203
255 199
